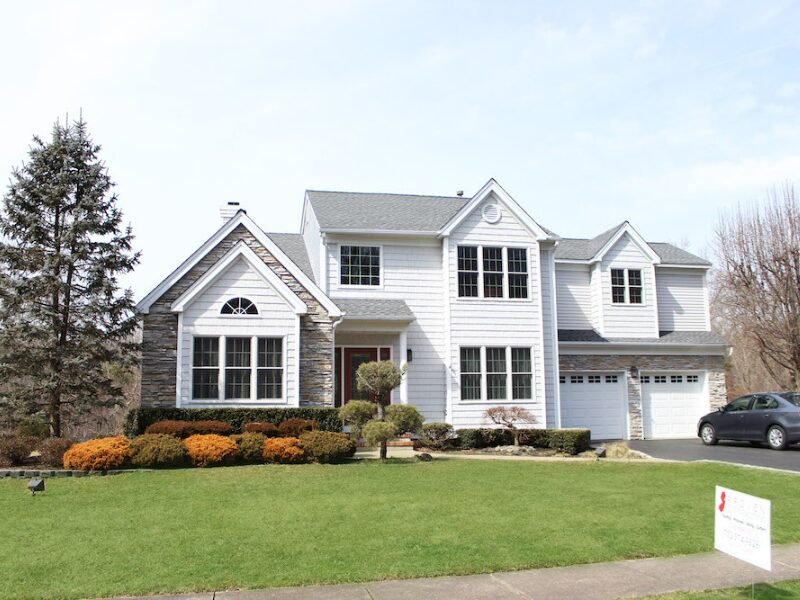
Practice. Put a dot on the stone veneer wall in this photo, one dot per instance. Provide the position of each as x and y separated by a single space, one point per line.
713 365
160 333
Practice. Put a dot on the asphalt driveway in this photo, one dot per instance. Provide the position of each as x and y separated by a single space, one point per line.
734 452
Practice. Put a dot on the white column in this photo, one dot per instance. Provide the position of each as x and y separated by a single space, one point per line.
402 360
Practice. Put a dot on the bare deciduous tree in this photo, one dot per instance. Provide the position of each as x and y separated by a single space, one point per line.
757 289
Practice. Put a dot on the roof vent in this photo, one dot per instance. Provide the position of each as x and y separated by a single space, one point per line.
491 213
460 193
229 210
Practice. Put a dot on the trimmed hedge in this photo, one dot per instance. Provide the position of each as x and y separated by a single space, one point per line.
265 428
100 454
153 450
295 427
283 450
211 449
138 419
570 441
251 446
184 429
437 436
327 446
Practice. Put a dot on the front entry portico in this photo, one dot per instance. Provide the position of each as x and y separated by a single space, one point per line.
370 330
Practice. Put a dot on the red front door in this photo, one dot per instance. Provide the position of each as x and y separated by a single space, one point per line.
353 358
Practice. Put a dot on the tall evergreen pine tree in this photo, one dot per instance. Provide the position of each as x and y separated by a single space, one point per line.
63 318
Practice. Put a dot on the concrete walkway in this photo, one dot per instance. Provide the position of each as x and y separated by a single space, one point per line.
601 581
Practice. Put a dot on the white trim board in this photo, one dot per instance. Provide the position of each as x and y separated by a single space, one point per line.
240 218
492 187
243 251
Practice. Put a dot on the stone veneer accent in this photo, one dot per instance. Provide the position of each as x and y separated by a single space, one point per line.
160 333
713 365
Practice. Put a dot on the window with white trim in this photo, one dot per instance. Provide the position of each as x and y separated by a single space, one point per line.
470 373
487 371
492 272
626 286
360 265
239 306
235 372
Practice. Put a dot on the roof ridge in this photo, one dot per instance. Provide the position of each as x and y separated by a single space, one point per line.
389 194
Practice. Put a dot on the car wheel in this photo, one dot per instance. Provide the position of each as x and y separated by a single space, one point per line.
708 434
776 437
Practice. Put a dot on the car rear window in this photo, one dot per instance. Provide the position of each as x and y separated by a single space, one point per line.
792 397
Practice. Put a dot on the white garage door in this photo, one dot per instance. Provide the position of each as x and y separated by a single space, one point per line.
672 403
596 401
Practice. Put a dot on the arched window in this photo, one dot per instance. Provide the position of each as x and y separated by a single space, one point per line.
239 306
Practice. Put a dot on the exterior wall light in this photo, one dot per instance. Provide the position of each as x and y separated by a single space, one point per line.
409 355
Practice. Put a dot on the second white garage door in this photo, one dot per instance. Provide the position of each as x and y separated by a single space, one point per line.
672 403
596 401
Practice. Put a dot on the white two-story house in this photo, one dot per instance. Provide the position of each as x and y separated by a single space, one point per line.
485 307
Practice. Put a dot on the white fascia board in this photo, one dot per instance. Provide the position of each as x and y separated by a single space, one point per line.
240 218
574 261
240 250
671 266
380 232
637 239
517 210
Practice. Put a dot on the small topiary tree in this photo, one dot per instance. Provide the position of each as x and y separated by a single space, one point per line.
508 417
405 418
378 433
436 436
356 414
379 378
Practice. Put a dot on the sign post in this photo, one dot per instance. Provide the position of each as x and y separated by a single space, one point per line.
742 527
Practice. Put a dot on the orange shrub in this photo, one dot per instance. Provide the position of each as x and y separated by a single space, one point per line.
211 449
101 454
283 450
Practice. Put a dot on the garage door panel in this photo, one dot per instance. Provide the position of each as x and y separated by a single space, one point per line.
596 401
672 403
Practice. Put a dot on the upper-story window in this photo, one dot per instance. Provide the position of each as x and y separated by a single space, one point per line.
626 286
360 265
500 272
239 306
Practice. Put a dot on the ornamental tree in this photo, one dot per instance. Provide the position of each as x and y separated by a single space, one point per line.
379 378
509 417
63 317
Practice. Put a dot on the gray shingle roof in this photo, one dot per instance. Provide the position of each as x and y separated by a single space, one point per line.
693 338
378 309
584 249
294 247
383 212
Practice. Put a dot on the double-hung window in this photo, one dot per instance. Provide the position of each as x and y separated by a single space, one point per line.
250 368
360 265
487 371
492 272
626 286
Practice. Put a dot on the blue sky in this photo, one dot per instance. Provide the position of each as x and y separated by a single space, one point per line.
588 113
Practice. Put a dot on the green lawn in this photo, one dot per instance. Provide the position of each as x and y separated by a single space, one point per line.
265 526
781 590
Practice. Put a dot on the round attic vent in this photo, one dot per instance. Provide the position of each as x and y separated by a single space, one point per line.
491 213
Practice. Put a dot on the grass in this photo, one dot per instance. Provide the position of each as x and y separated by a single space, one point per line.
264 526
781 590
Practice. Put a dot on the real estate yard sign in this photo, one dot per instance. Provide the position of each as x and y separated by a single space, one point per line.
742 527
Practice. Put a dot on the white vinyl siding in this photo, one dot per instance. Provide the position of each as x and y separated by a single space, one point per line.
495 322
574 297
628 320
411 271
202 318
681 299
